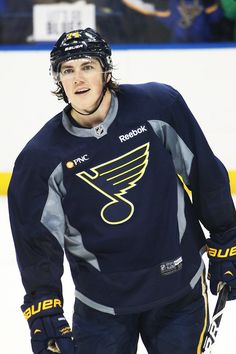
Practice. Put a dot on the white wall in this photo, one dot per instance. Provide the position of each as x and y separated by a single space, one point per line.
205 77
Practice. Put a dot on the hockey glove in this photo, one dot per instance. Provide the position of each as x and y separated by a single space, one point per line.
50 332
222 266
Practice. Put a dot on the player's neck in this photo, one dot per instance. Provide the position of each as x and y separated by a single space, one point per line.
91 120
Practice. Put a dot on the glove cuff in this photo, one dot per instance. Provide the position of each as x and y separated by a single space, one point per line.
46 306
220 252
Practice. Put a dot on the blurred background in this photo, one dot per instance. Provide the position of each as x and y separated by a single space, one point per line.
188 44
120 21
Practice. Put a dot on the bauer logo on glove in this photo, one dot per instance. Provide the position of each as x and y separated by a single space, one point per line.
41 306
50 332
221 252
222 266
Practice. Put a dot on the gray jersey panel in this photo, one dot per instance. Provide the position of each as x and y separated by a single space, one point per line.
53 215
182 159
93 304
181 154
74 244
54 219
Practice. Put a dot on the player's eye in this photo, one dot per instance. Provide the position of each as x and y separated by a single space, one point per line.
67 71
88 67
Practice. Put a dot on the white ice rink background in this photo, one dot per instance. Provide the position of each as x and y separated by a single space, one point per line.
206 79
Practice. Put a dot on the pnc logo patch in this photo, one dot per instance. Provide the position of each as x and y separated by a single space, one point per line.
75 162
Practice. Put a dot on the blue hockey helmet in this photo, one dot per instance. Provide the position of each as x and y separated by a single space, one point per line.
80 44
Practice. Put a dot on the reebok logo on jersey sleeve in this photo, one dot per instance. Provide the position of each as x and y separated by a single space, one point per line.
133 133
114 178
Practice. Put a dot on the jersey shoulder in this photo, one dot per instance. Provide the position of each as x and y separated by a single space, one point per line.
149 90
40 146
148 101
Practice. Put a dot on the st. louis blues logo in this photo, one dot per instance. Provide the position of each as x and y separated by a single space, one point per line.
114 178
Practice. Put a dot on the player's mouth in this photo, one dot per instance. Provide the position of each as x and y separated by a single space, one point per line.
81 91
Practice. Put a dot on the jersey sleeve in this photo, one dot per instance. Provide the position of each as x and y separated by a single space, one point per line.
202 172
39 253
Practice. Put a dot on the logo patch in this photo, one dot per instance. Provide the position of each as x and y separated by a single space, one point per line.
78 160
72 35
170 267
114 178
100 130
41 306
133 133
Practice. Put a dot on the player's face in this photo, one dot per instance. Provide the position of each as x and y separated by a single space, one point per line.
82 80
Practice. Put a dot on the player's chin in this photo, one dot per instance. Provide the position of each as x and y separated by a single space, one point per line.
86 105
82 101
82 108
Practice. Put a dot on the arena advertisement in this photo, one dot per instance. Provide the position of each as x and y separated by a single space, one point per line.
50 20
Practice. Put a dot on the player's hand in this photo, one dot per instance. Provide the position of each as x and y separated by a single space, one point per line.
51 335
222 266
50 332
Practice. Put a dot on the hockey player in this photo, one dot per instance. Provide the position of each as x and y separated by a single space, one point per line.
102 182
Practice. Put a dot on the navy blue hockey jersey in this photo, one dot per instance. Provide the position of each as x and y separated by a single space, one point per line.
112 198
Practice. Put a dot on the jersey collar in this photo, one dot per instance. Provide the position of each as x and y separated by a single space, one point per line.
99 130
